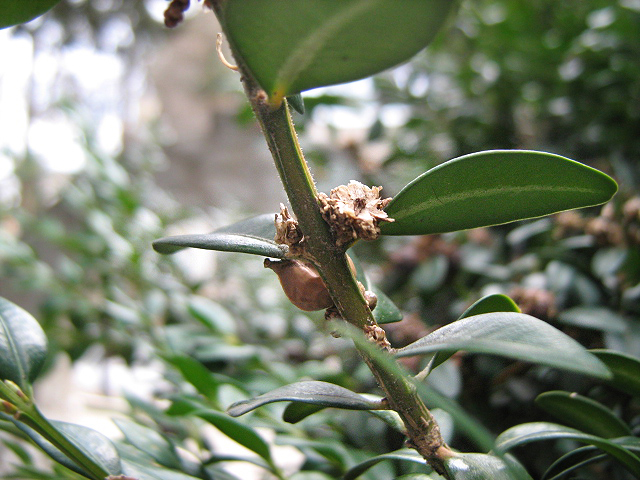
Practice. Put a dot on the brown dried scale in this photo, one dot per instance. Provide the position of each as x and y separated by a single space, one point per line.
354 211
288 232
301 283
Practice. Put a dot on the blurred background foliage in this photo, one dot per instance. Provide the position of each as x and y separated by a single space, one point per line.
563 77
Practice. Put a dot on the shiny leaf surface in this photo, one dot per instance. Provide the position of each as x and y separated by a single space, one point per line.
494 187
479 466
14 12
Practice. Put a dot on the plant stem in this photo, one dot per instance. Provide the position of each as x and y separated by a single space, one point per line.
331 262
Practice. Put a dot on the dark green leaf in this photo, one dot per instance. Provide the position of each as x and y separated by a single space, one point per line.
572 461
244 435
14 12
513 335
294 46
625 369
296 411
297 103
386 311
313 392
488 304
150 442
254 236
93 444
583 413
537 431
405 455
480 466
494 187
23 345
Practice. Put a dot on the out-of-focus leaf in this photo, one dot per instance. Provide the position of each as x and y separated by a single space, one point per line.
196 374
625 369
583 413
598 318
150 442
494 187
538 431
93 444
212 315
14 12
513 335
480 466
313 392
254 236
244 435
148 472
23 345
294 46
404 455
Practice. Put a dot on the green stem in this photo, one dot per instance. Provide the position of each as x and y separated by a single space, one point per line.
28 414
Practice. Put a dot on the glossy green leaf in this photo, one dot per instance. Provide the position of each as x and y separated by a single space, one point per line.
297 45
150 442
93 444
488 304
254 236
14 12
537 431
598 318
23 345
494 187
312 392
296 412
147 472
244 435
583 413
465 424
386 311
404 455
480 466
625 369
513 335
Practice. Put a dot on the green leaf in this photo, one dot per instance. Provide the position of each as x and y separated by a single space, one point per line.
23 345
386 311
244 435
488 304
312 392
480 466
537 431
625 369
254 236
598 318
296 411
196 374
494 187
513 335
294 46
14 12
150 442
404 455
93 444
135 470
583 413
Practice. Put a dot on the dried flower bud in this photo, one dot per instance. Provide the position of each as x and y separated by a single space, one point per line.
301 283
354 211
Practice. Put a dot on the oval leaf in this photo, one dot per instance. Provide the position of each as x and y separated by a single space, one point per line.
583 413
254 236
14 12
494 187
537 431
513 335
312 392
625 369
480 466
598 318
294 46
23 345
404 455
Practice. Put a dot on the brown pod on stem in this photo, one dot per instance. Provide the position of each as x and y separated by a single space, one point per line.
301 283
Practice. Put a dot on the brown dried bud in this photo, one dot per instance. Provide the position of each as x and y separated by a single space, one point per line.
301 283
174 14
354 211
288 232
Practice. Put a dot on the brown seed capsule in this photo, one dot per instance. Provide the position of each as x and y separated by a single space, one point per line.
301 283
